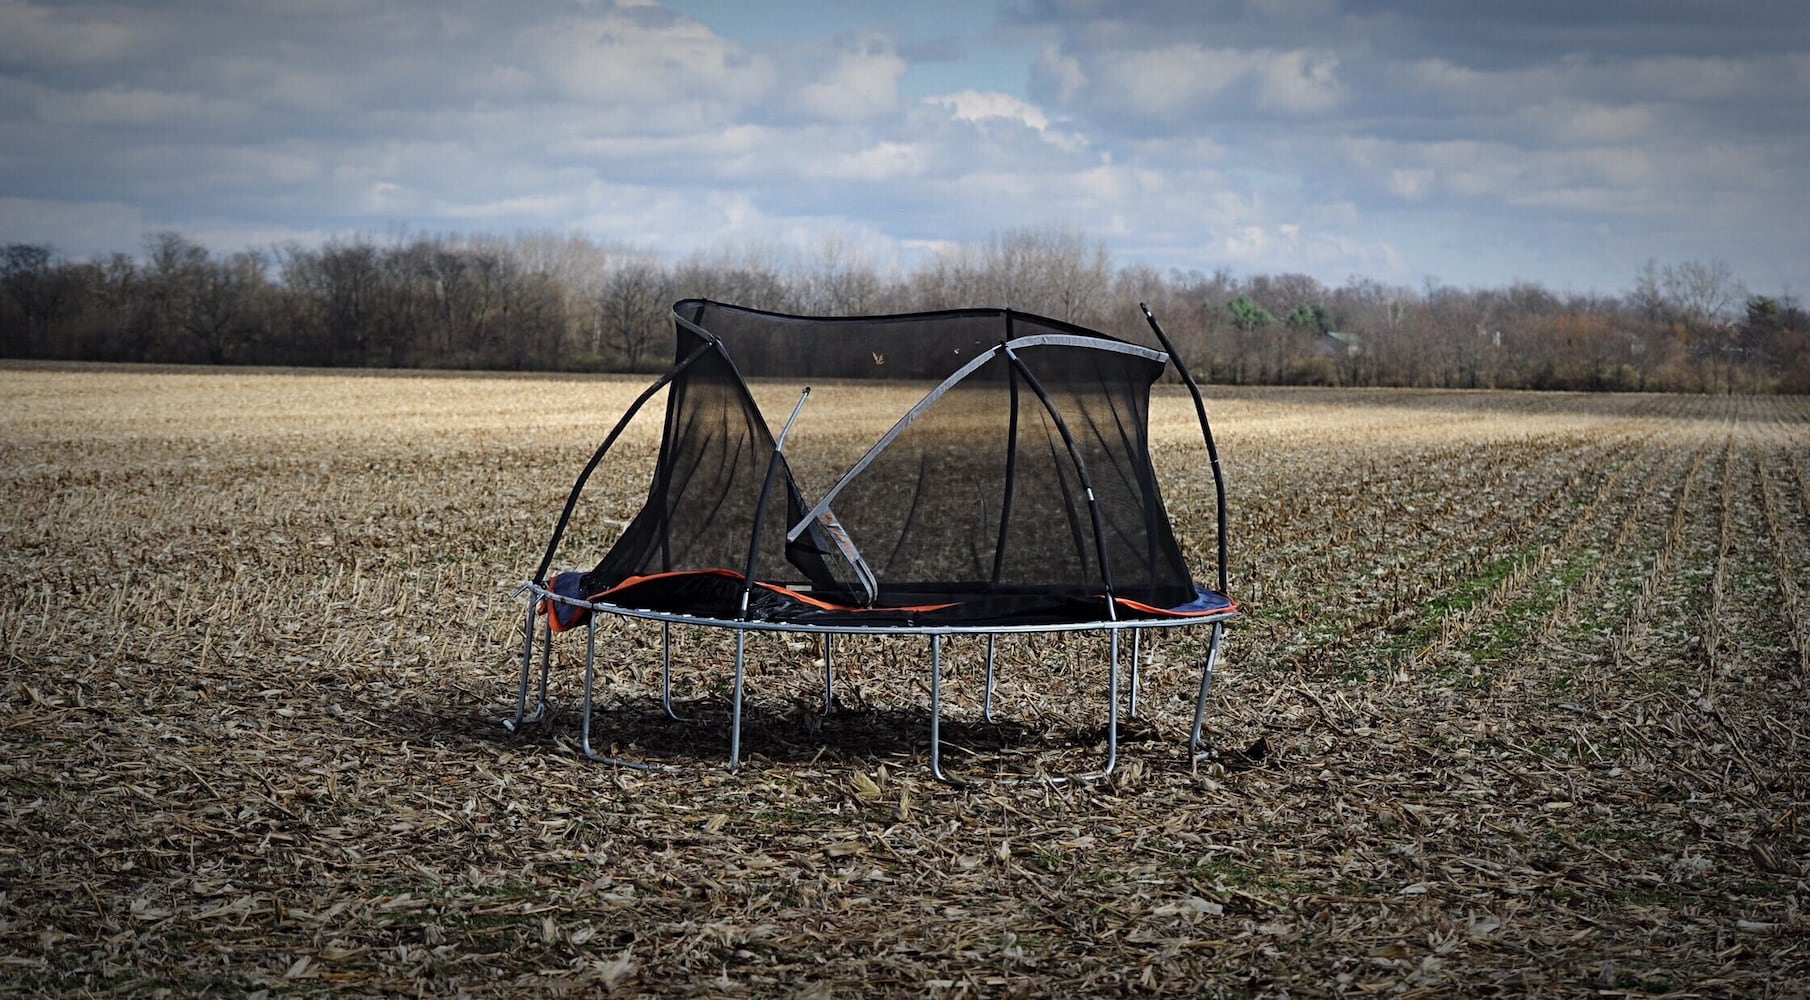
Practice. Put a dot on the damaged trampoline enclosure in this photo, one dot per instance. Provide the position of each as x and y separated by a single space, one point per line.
1017 495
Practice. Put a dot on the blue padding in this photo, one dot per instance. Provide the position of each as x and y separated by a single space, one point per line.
569 585
1204 600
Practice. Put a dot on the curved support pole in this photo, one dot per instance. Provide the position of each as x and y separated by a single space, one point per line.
1087 483
1200 704
986 704
590 677
565 517
936 708
1219 492
1206 432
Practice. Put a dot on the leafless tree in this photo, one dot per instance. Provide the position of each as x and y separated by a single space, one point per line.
1702 291
632 307
548 300
1053 270
838 280
31 290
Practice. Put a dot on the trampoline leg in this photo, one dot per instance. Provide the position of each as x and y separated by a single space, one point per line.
1137 641
1206 684
666 673
986 704
522 718
829 673
546 666
1112 710
735 700
936 708
590 680
521 698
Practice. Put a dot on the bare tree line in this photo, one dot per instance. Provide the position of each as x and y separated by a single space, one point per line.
565 302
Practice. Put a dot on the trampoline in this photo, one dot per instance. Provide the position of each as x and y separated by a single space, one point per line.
1017 495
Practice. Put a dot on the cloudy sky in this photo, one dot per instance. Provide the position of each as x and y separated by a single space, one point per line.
1557 141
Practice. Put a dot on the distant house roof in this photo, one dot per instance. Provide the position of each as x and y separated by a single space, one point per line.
1352 343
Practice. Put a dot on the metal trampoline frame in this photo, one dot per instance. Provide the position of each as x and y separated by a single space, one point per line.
541 597
936 634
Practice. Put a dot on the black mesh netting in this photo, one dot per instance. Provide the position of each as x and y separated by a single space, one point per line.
976 508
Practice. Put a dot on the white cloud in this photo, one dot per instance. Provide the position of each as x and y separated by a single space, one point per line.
281 165
293 89
1275 134
980 107
1410 184
1062 72
1439 81
1169 81
1694 78
1299 83
860 83
1629 180
1589 122
227 235
79 228
1294 10
1108 187
616 59
611 141
129 106
36 35
522 206
975 105
1292 248
1188 80
1180 151
882 161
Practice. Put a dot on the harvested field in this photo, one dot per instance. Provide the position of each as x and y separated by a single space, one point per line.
1518 706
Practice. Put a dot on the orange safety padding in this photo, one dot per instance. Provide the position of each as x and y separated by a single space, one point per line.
828 606
1231 607
803 598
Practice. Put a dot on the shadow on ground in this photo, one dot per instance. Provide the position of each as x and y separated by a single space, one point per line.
639 729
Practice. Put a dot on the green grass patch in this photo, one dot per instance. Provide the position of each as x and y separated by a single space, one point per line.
1230 874
1511 632
1467 594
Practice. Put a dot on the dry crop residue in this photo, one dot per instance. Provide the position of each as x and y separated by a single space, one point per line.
1529 668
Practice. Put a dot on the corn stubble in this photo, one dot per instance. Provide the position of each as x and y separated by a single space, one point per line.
1527 671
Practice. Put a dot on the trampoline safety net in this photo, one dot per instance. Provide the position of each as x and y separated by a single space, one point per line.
1016 494
1019 490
